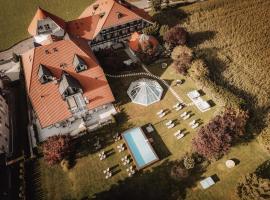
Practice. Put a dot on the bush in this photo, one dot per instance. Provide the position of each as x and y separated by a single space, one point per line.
56 148
189 161
163 30
264 139
215 139
182 56
176 36
252 187
152 29
179 172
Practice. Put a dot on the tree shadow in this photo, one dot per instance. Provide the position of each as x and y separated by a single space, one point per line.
264 170
197 38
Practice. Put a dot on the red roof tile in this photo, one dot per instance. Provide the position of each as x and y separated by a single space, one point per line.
46 99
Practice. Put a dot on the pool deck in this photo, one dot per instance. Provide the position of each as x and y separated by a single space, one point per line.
133 156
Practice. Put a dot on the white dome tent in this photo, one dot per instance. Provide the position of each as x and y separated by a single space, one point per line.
145 91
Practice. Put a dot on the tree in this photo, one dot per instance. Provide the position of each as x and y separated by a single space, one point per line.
179 172
176 36
252 187
156 5
56 148
189 161
163 29
152 29
215 139
182 56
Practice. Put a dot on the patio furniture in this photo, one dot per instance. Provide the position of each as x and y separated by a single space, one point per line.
183 114
177 132
178 82
162 115
230 164
186 117
177 105
169 123
164 65
160 112
192 122
179 108
195 125
207 182
171 126
180 136
149 128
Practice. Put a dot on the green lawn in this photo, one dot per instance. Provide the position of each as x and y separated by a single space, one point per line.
16 15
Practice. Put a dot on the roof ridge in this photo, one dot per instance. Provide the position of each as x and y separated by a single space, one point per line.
31 72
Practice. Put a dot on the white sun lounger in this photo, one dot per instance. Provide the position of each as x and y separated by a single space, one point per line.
177 132
183 114
192 122
186 117
179 108
171 126
177 105
160 112
178 137
195 125
168 123
162 115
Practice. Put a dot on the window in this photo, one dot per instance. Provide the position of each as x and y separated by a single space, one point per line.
47 27
79 64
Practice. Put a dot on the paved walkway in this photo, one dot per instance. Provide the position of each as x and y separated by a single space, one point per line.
19 49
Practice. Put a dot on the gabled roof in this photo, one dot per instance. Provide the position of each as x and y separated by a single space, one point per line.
43 14
107 13
68 81
58 57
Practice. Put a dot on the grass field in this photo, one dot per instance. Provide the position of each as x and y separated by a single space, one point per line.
15 16
233 37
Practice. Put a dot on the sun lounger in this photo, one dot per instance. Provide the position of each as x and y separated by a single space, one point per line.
183 114
177 132
160 112
171 126
177 105
192 122
195 125
179 108
168 123
186 117
180 136
162 115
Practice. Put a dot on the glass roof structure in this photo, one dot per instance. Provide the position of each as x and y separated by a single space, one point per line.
145 91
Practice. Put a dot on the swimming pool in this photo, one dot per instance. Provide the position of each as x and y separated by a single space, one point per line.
140 148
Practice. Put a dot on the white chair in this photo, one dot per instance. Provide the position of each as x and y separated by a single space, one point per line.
168 123
186 117
177 105
160 112
195 125
180 136
162 115
192 122
183 114
177 132
171 126
179 108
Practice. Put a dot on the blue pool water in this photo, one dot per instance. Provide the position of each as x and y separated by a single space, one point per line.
139 147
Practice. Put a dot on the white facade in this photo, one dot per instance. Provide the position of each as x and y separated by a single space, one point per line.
93 120
4 126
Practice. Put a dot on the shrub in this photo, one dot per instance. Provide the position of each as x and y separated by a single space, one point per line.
56 148
156 5
163 29
180 68
264 139
179 172
152 29
182 56
252 187
215 139
189 161
176 36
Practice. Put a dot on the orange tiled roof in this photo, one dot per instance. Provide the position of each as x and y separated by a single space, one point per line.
46 99
43 14
110 9
136 44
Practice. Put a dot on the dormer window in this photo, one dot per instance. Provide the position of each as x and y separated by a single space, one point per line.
69 86
119 15
95 6
79 64
44 74
101 14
